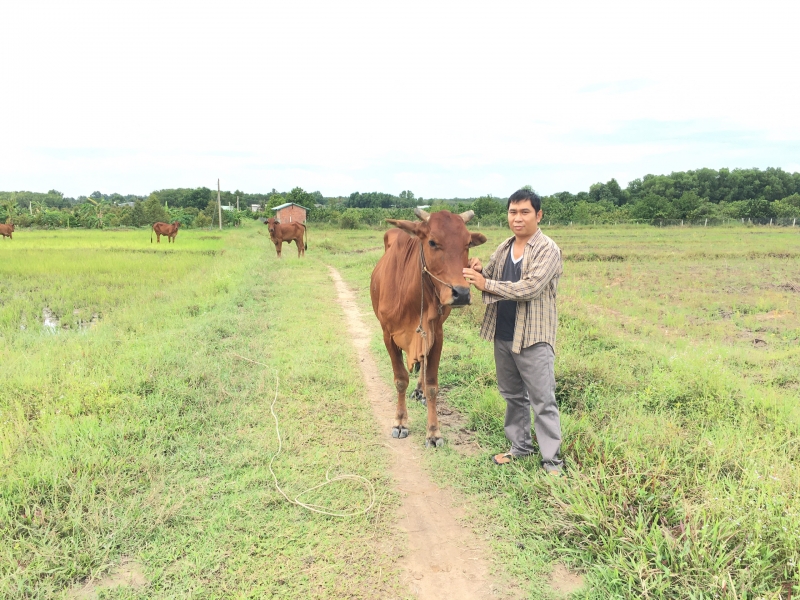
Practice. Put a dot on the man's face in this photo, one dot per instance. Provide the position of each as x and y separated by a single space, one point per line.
523 220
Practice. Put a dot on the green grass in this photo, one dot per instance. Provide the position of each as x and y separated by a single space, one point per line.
144 437
681 433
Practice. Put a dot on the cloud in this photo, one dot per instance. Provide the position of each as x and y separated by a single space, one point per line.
446 97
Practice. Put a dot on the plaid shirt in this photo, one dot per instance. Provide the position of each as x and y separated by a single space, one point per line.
535 292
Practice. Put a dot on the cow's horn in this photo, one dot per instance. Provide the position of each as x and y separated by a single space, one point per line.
467 215
422 214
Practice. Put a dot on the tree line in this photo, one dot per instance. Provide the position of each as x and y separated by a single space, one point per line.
692 195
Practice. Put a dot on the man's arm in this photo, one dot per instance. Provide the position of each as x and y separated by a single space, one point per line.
547 264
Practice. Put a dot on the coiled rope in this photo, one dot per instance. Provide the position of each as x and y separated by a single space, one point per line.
366 483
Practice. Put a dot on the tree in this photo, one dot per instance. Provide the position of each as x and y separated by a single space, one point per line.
487 205
299 196
651 207
275 200
138 217
787 207
687 205
407 196
153 210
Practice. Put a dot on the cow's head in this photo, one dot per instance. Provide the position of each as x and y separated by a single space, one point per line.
445 244
177 224
12 226
271 223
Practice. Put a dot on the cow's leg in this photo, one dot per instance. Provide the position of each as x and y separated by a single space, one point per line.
419 392
434 436
400 427
299 248
278 246
158 238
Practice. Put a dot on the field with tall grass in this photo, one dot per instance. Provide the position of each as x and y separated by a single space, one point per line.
140 438
131 431
678 374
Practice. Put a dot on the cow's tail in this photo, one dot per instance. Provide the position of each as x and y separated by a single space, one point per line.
305 234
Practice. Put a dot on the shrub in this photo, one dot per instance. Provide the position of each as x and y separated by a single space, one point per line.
350 219
201 220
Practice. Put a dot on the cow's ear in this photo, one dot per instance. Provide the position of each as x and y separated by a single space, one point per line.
477 239
410 227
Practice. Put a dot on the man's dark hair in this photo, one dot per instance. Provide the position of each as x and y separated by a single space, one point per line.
525 194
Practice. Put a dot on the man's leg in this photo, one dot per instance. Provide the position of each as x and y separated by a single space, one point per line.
518 407
536 367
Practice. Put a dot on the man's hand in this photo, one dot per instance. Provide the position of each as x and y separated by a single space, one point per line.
475 264
475 278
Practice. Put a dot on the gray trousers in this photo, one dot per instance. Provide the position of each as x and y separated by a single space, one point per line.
527 380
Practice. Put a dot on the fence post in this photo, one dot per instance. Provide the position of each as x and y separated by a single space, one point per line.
706 225
794 221
770 221
570 223
742 220
681 222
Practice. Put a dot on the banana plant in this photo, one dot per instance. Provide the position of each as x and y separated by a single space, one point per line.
92 212
10 207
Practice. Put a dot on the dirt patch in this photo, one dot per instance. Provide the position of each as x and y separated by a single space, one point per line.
454 427
445 558
790 287
774 314
129 573
49 319
565 582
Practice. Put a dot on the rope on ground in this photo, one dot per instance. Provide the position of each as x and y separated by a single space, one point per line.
366 483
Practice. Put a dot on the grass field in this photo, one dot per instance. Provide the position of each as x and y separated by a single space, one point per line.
132 432
143 438
678 372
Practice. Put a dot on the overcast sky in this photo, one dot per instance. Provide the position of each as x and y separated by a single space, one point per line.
443 98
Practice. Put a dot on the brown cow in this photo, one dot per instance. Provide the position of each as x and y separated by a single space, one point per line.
413 287
165 229
7 230
287 232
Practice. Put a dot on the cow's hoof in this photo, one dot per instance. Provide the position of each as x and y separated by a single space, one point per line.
434 442
399 432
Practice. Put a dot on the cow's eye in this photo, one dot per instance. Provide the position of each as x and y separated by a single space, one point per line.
432 244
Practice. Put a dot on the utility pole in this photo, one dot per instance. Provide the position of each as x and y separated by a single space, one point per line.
237 203
219 206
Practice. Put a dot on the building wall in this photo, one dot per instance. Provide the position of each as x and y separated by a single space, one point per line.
291 214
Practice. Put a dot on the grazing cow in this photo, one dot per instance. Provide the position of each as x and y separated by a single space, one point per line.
165 229
287 232
413 287
7 230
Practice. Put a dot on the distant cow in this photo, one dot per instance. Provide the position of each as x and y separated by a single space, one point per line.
165 229
287 232
7 230
413 287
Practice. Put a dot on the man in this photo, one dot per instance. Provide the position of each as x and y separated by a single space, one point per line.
519 285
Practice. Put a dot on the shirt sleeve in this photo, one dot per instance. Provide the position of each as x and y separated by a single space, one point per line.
546 265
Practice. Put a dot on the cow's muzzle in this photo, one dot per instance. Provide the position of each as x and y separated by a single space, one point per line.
460 296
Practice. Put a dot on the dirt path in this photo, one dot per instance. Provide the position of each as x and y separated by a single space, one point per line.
445 559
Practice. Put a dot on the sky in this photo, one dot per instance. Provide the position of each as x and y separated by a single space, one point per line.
446 99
